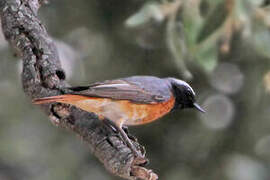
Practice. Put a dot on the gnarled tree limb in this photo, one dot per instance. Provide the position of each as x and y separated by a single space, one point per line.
43 76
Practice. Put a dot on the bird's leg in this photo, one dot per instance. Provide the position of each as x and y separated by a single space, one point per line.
125 138
115 132
133 138
109 125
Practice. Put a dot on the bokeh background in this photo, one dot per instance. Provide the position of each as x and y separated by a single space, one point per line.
222 48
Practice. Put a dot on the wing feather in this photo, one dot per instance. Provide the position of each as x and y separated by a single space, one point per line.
119 90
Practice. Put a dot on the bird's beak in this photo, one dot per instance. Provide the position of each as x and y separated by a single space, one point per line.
198 107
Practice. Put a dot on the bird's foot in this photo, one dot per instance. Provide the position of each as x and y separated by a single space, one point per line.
138 154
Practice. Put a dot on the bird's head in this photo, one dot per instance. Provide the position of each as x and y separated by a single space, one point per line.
184 95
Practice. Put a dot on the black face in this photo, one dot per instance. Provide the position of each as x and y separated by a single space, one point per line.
184 94
184 97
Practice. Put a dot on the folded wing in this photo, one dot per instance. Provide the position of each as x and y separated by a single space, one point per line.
119 90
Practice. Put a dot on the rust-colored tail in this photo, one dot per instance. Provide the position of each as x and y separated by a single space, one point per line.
67 98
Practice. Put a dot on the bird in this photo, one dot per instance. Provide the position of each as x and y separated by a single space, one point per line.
135 100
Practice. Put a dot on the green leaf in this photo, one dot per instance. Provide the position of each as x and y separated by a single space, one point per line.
206 56
213 21
191 23
150 11
261 42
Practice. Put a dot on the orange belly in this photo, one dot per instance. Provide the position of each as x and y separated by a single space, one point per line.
119 111
146 113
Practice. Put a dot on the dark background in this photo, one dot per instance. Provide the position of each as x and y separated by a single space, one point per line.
222 48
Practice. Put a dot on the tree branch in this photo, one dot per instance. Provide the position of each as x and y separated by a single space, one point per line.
43 76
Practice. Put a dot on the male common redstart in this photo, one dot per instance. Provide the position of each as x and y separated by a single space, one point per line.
128 101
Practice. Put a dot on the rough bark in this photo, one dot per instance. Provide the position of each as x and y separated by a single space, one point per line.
43 76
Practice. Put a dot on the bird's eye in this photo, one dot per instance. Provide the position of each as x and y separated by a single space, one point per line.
190 95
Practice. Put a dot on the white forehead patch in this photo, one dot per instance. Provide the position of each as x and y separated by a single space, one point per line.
185 84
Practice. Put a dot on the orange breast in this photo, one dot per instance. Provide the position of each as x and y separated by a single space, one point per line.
145 113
